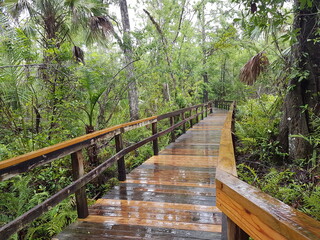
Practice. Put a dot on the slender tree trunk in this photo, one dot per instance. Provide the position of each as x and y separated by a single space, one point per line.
204 52
128 53
93 149
205 91
166 92
303 96
223 78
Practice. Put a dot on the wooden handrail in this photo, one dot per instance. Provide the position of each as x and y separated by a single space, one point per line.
28 161
226 158
16 165
250 210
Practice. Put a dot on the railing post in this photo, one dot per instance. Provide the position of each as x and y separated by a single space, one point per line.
206 112
155 141
78 172
183 117
202 113
173 137
120 162
197 118
234 232
191 124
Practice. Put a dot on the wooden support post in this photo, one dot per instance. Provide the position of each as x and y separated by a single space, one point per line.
183 117
197 118
121 163
191 124
77 172
234 232
206 112
155 141
173 137
202 113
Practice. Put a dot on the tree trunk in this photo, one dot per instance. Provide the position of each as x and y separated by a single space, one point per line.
204 52
303 96
92 150
128 53
205 91
166 92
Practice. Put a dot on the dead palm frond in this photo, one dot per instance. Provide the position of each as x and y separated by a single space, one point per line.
101 24
78 54
252 69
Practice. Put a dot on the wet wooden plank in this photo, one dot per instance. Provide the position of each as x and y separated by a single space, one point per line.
112 231
158 214
196 190
211 185
161 197
159 167
184 160
190 152
162 205
153 223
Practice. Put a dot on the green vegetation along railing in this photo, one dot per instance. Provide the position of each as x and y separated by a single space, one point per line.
74 147
249 211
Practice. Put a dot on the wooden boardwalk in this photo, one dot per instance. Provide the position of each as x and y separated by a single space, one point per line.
170 196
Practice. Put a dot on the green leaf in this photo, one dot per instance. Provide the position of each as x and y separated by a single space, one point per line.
303 3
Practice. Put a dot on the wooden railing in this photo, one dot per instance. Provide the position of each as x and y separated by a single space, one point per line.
74 147
249 211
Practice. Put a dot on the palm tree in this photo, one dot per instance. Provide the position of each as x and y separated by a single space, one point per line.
54 23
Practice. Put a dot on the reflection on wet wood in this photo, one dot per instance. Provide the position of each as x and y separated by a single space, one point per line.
171 196
153 223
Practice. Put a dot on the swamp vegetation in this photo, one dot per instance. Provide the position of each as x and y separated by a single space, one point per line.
71 67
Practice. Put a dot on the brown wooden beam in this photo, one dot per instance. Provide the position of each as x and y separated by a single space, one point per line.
183 116
155 141
120 162
78 172
173 136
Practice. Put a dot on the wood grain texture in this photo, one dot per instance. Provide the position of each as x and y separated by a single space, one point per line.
226 159
262 216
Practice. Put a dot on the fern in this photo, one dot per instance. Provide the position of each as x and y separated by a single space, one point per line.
53 221
312 203
248 174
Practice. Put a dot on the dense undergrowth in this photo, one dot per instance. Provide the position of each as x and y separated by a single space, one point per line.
261 162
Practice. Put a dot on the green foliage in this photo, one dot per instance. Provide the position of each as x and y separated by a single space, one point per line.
248 174
20 195
256 127
283 186
311 203
53 221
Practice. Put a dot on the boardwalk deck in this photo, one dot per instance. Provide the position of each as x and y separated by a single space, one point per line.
170 196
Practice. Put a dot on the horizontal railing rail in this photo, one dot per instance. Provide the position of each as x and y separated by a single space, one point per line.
249 211
73 147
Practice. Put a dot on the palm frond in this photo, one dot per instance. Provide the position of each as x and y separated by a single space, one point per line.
101 24
252 69
78 54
